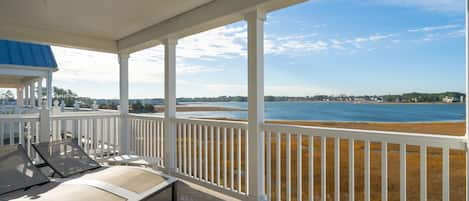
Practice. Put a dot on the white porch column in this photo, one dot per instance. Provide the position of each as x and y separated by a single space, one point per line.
19 96
124 138
26 94
39 92
256 160
49 89
32 100
170 104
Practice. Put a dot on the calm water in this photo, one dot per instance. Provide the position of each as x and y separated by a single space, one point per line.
342 111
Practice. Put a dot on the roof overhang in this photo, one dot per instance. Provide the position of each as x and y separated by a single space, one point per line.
15 76
120 25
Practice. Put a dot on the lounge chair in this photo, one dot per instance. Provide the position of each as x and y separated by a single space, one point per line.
68 160
21 180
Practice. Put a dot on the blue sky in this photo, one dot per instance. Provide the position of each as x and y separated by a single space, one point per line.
319 47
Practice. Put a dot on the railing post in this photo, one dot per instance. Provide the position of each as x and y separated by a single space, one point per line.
49 89
256 161
466 100
124 137
170 105
44 123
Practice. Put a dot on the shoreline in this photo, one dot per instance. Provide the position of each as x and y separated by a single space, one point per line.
452 128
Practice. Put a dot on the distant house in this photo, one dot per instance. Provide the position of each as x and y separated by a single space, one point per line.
448 99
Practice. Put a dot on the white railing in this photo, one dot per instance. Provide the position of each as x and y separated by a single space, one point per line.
213 153
20 129
375 168
146 136
97 132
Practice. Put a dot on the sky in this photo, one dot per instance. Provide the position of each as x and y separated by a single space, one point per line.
327 47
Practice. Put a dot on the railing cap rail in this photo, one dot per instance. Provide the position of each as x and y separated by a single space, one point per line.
422 139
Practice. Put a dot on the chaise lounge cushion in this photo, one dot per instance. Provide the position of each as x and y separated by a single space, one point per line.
137 180
61 191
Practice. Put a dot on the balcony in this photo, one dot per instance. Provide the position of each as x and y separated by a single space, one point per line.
213 159
214 156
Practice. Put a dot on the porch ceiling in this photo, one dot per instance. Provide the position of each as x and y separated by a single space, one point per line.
9 81
119 25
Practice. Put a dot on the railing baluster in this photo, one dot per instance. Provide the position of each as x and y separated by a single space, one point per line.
161 142
20 133
311 168
179 149
116 135
185 148
108 138
12 137
384 171
403 180
445 175
279 167
102 137
206 153
212 152
196 161
337 169
367 170
2 132
95 137
218 156
232 157
288 167
268 165
200 159
225 161
189 129
423 173
323 169
86 129
239 159
351 166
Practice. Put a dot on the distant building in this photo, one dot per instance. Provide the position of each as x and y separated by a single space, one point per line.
448 99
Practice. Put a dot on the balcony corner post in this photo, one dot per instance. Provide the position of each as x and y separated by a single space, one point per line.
170 105
256 161
124 138
44 123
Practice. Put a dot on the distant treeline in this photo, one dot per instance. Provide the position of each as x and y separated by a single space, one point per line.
407 97
146 105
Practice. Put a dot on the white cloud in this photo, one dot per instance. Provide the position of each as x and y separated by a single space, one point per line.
431 5
434 28
457 33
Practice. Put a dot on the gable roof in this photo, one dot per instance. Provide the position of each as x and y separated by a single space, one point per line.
26 54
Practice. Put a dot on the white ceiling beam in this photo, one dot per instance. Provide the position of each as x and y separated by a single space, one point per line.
208 16
54 37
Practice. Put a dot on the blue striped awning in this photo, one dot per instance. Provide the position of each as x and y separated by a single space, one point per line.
26 54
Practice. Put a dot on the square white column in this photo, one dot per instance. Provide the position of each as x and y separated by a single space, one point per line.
19 96
256 160
26 94
32 90
170 104
124 103
49 89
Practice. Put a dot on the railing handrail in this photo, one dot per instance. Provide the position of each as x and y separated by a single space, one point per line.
144 116
19 117
213 122
421 139
78 115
